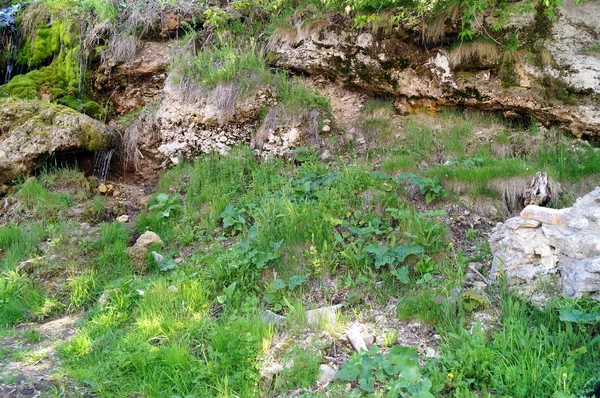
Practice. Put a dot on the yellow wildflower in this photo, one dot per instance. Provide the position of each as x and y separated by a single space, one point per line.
451 375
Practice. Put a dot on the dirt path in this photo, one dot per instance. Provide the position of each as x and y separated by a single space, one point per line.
29 362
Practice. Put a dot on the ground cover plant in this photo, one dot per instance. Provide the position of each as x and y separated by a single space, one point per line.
262 235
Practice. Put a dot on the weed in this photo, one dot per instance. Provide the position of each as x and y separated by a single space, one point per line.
395 372
166 205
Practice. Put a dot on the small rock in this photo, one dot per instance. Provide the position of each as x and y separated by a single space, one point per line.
123 219
178 260
326 128
269 317
327 374
431 353
356 340
173 289
158 258
106 189
174 159
139 251
270 371
322 316
326 155
148 238
103 299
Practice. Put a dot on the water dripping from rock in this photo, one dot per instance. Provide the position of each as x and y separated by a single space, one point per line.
102 163
9 38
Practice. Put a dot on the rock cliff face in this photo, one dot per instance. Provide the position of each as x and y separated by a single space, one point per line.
138 82
31 131
212 121
545 250
397 63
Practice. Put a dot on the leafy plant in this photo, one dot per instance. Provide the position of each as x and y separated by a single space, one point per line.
576 316
166 205
383 255
473 300
395 372
430 187
234 219
277 291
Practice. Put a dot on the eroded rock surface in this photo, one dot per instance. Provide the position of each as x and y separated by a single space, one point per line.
138 82
546 251
31 131
398 63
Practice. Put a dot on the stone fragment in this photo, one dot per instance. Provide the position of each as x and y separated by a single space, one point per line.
519 222
325 316
369 339
139 251
269 317
158 258
545 215
356 340
123 219
173 289
327 374
148 238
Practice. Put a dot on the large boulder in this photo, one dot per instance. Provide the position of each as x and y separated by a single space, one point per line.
31 131
547 251
397 61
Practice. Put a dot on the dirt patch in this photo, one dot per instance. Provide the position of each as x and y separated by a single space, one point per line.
29 363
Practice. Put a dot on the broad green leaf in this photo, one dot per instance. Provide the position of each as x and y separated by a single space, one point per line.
349 372
401 274
406 250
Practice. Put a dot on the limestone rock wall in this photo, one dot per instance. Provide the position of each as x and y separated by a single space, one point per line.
397 62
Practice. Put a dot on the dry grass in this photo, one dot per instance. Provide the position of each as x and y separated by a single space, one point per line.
434 31
383 23
129 139
224 98
122 47
502 150
288 35
512 191
482 51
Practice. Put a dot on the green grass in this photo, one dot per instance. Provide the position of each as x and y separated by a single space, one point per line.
256 235
530 353
21 299
467 165
18 242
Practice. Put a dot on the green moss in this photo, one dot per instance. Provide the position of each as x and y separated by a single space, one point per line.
46 43
96 141
59 80
92 108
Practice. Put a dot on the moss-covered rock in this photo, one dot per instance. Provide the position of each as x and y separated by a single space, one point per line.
31 131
